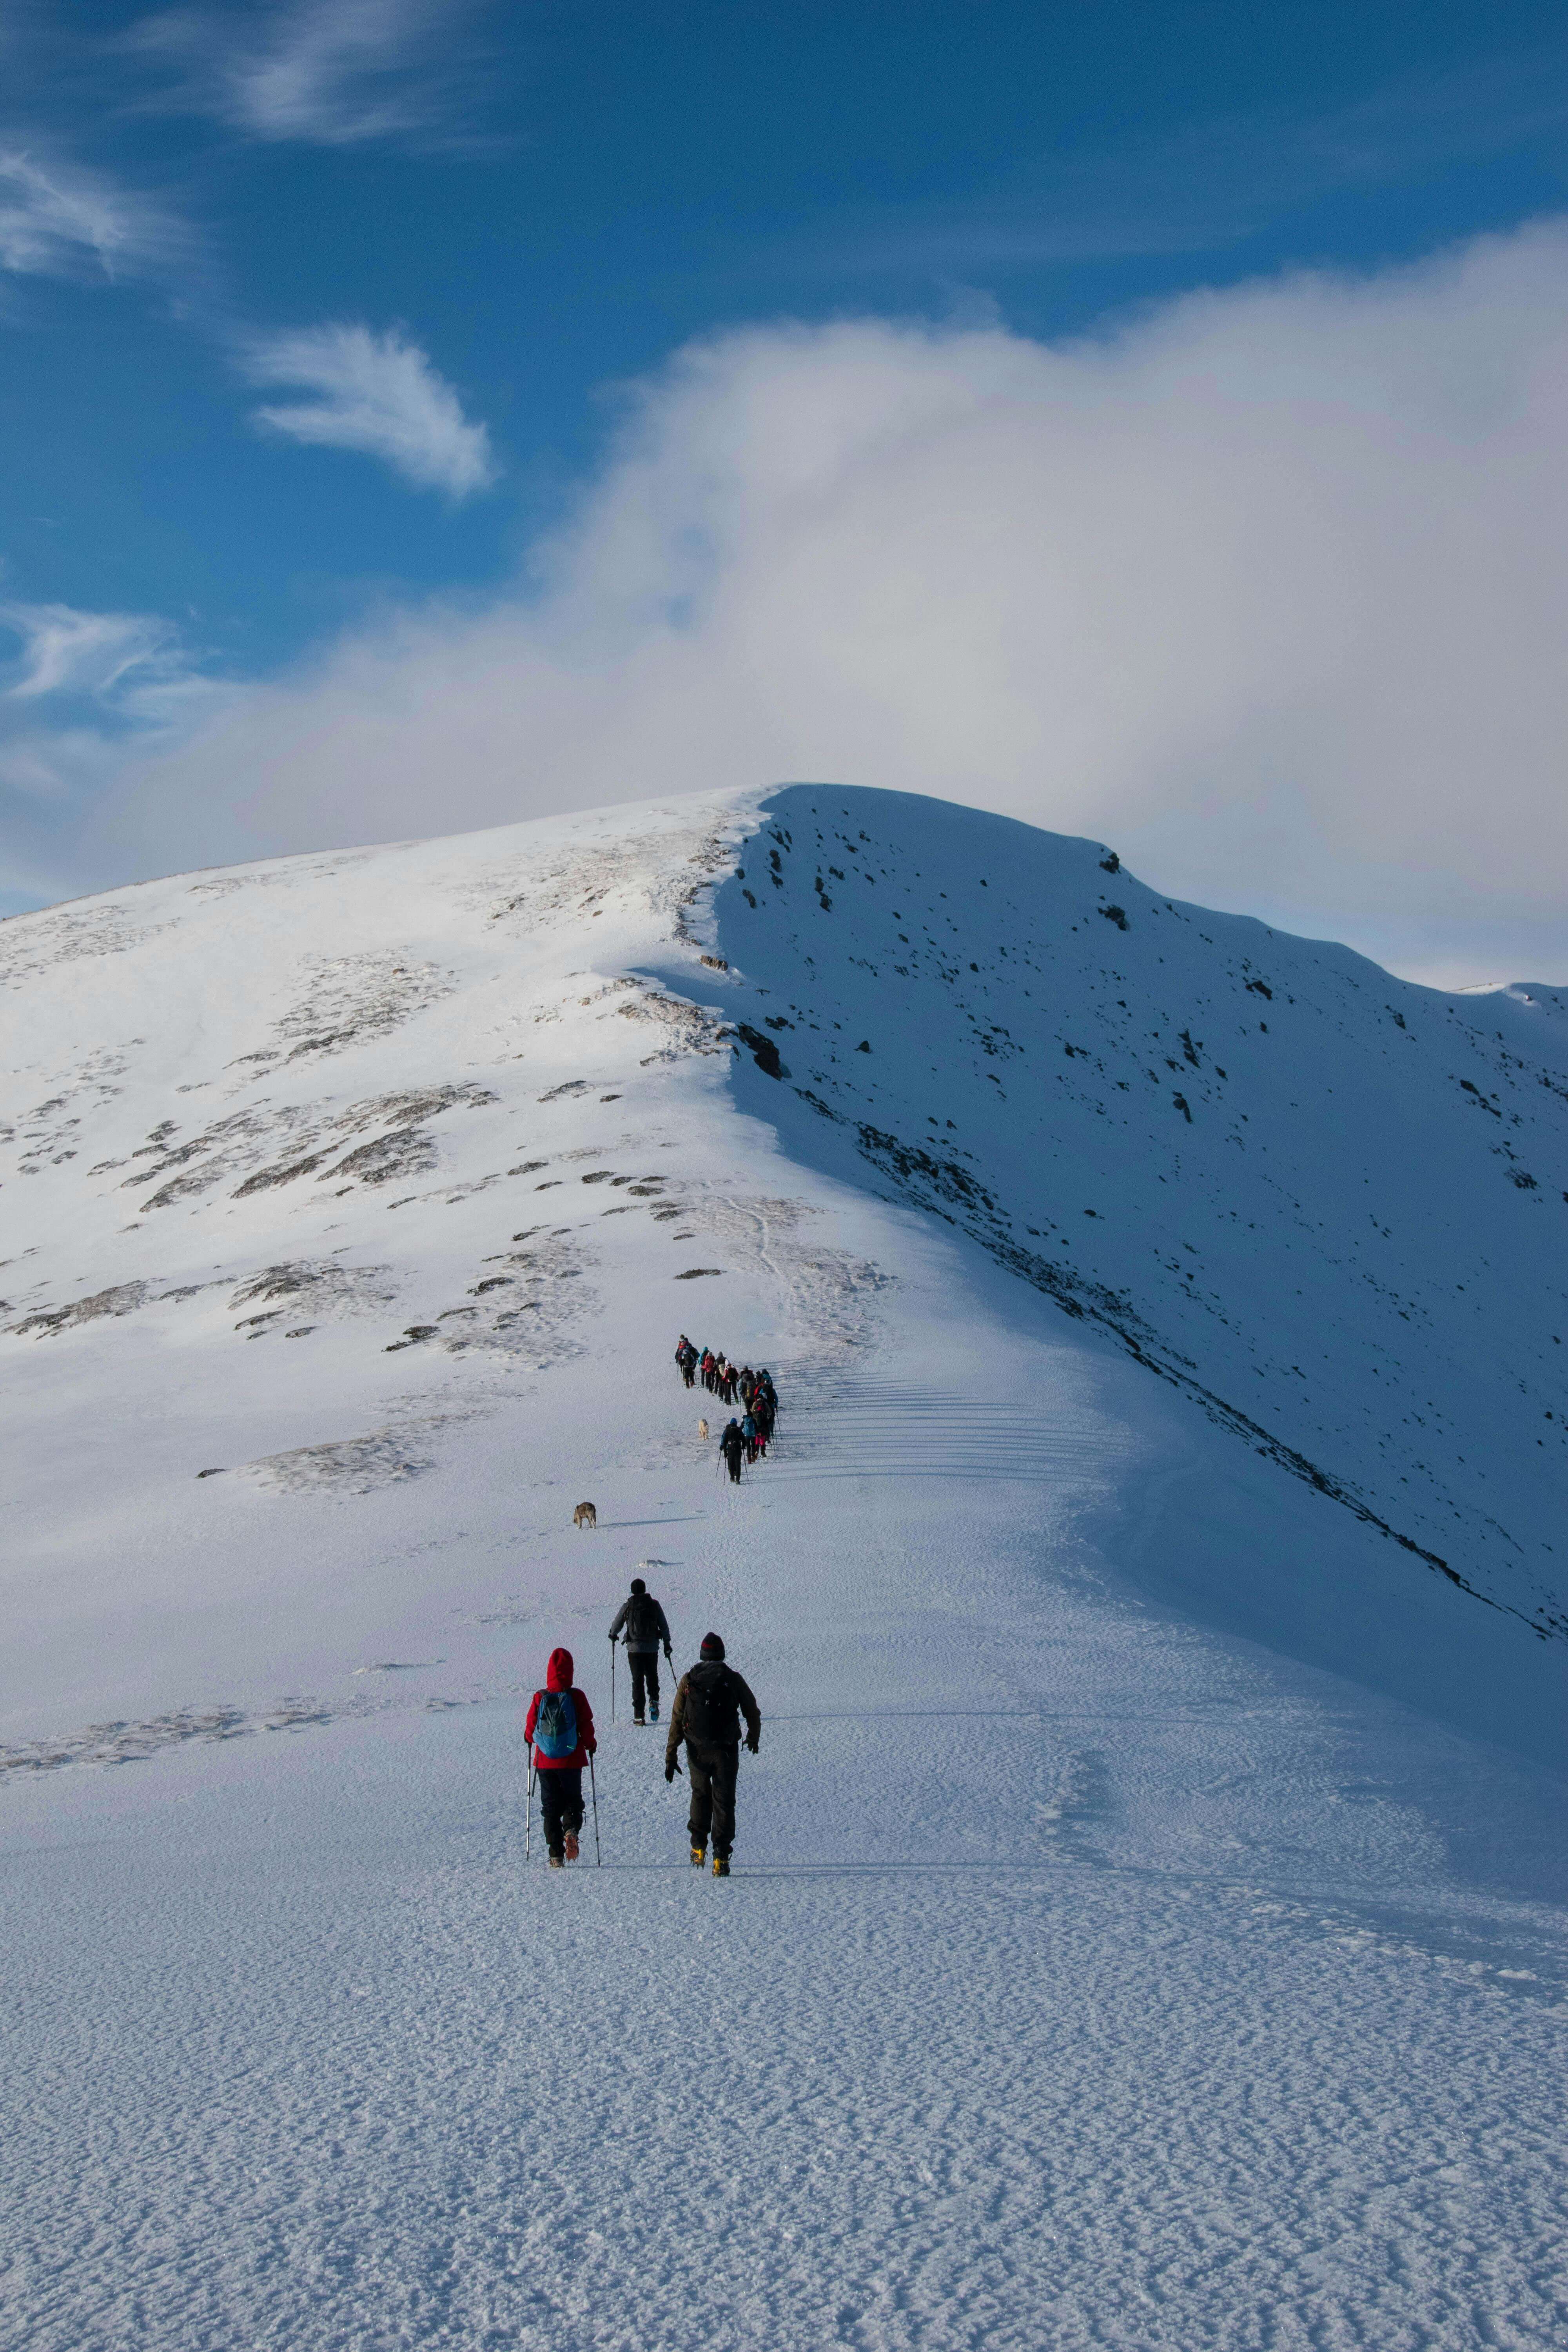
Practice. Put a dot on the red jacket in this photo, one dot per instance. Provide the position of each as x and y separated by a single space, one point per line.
558 1677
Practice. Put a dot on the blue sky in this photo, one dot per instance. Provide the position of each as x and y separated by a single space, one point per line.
315 312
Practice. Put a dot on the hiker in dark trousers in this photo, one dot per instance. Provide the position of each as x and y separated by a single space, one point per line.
709 1701
642 1624
559 1733
733 1446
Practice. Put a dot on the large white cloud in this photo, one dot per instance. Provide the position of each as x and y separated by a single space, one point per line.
1270 587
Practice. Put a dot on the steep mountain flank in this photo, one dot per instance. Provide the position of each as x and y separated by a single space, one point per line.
1328 1205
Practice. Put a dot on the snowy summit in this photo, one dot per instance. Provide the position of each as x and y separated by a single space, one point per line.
1146 1926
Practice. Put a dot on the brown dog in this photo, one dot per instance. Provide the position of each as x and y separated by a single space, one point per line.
584 1516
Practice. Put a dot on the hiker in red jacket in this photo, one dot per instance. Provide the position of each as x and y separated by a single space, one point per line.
560 1732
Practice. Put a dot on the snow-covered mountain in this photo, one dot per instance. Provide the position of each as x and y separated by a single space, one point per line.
1148 1921
1328 1207
318 1168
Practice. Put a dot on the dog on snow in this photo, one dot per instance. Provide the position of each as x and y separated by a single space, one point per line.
584 1516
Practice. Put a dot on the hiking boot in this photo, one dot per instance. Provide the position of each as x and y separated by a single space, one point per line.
556 1862
570 1846
636 1719
653 1715
699 1856
720 1865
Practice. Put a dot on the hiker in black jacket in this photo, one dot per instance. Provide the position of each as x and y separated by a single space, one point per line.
733 1446
645 1627
709 1701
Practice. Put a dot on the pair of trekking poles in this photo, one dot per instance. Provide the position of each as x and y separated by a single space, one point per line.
593 1777
528 1834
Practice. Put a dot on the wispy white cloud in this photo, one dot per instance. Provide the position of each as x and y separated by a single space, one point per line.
59 221
334 73
1213 181
68 651
377 393
80 692
112 658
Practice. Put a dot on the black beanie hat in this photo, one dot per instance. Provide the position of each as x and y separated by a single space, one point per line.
638 1584
712 1647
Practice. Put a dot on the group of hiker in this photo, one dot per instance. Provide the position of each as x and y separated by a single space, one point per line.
714 1369
745 1437
711 1700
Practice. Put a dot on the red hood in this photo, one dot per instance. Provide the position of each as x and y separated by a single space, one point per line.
558 1674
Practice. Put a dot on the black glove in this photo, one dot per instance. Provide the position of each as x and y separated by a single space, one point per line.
752 1741
670 1770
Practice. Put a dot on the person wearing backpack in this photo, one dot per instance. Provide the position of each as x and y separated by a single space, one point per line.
560 1735
643 1625
733 1446
709 1701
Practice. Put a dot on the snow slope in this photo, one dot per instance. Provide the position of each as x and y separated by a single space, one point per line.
1329 1207
268 1124
1131 1941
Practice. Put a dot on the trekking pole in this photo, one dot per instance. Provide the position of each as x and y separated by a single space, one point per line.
528 1834
592 1783
612 1679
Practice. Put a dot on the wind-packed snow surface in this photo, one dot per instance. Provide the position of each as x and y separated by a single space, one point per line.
1147 1922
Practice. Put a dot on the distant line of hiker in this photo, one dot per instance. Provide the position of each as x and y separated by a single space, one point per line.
747 1436
711 1699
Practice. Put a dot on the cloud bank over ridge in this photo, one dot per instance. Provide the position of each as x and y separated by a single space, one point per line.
1267 586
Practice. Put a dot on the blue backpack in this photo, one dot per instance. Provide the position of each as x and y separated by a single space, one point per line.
556 1726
